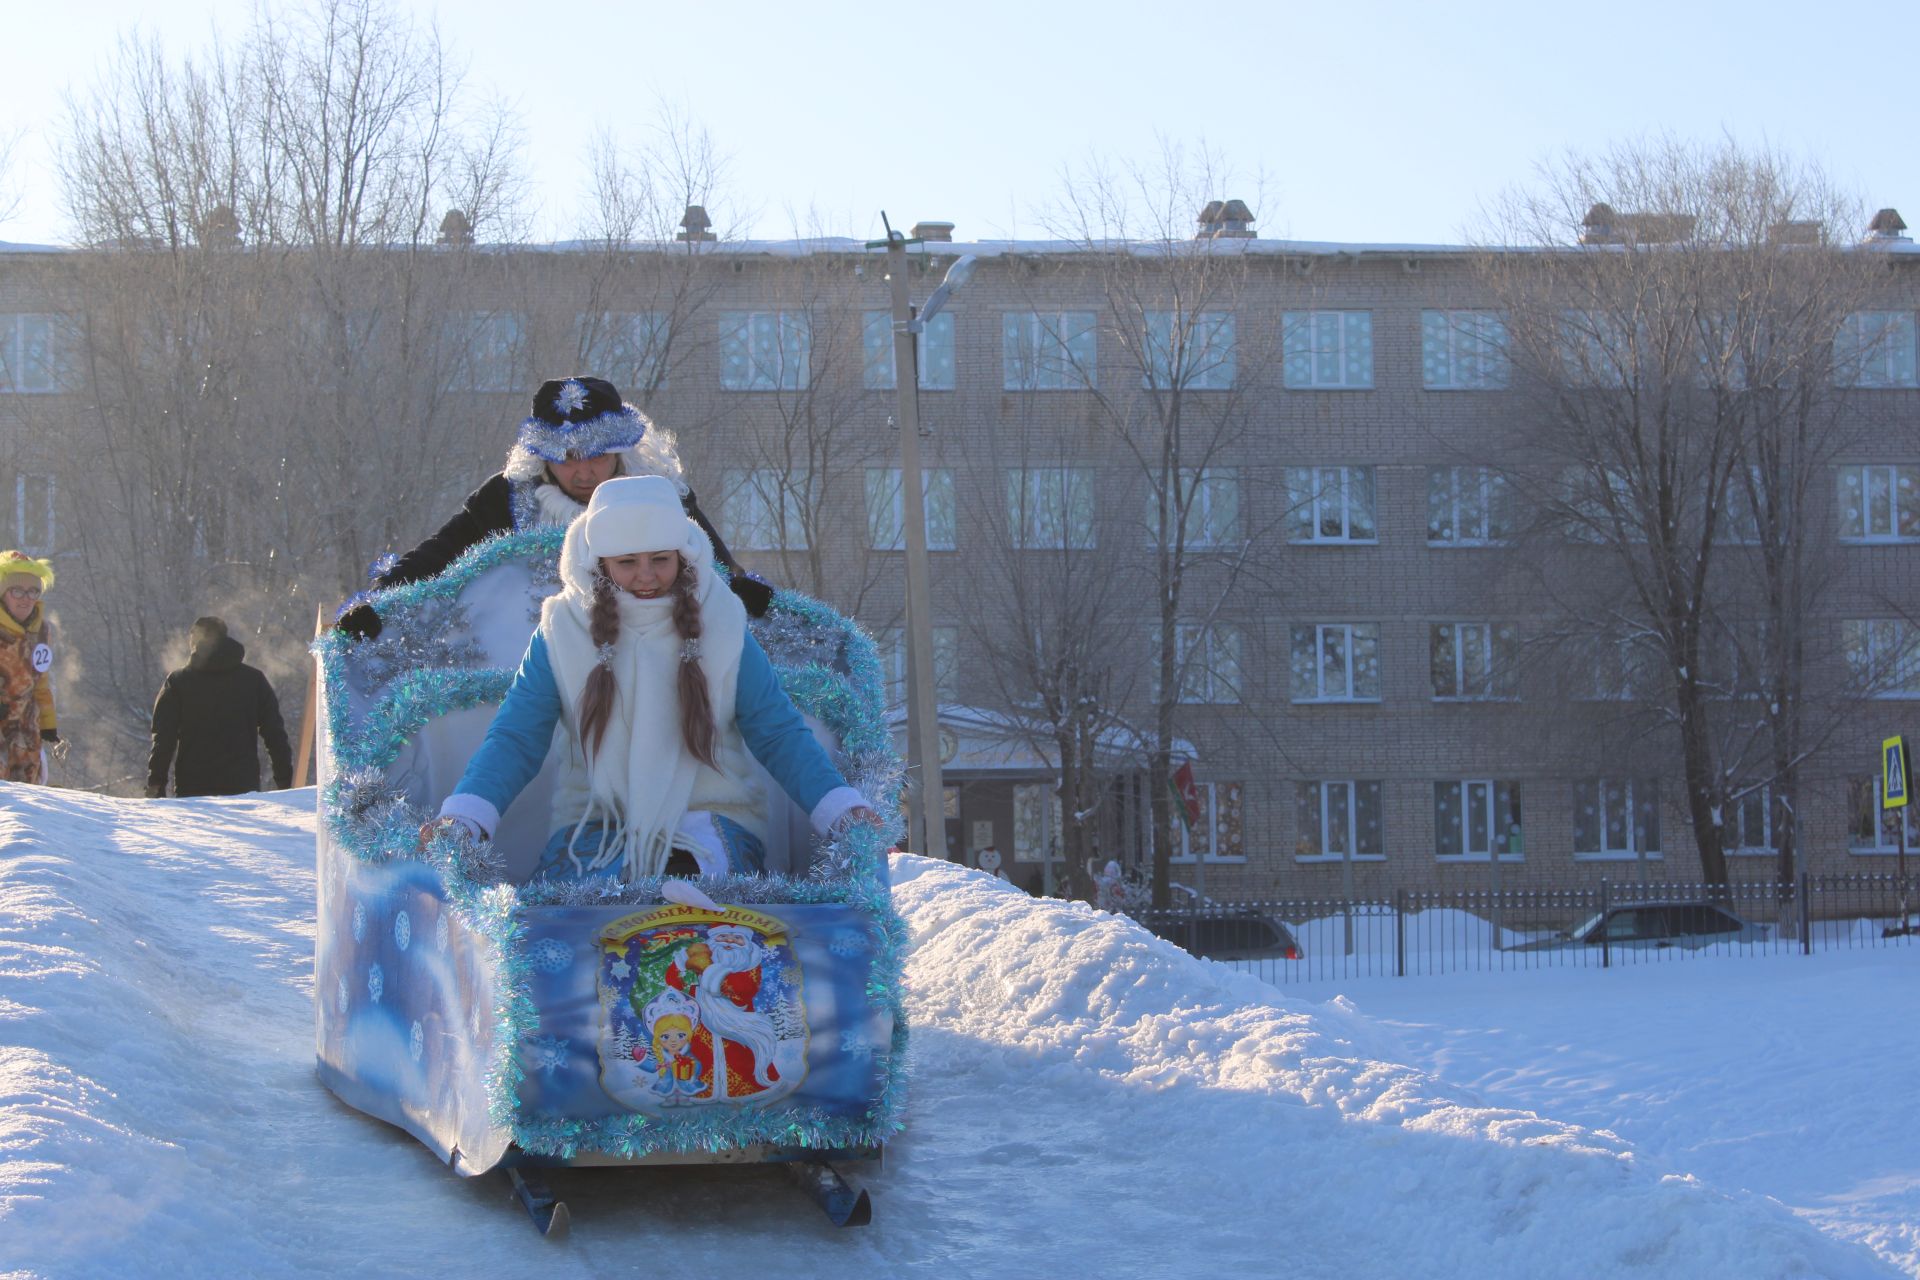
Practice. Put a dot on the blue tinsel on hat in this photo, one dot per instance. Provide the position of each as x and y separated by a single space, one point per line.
581 417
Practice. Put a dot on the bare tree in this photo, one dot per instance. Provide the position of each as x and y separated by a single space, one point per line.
1171 262
1686 409
277 328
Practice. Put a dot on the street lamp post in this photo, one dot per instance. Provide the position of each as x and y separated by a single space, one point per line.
926 808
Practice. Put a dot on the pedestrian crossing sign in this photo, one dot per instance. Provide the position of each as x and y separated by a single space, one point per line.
1896 773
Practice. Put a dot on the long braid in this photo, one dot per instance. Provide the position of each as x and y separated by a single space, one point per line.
696 703
596 697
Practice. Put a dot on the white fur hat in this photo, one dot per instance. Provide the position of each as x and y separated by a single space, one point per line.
631 514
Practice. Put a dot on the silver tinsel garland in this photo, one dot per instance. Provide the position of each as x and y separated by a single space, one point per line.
420 670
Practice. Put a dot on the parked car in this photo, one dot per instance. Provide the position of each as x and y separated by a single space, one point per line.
1654 925
1224 933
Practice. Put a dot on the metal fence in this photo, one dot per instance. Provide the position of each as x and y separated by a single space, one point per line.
1595 925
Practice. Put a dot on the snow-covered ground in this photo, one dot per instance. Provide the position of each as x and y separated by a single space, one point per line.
1088 1101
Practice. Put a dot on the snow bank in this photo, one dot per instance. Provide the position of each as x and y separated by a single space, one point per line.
1087 1101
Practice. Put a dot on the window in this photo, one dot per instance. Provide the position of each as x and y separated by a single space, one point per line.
1600 506
1328 350
765 350
892 644
1467 507
628 348
1463 350
887 514
1048 350
1217 836
1616 817
1749 829
1213 509
1875 349
1883 655
1872 829
1339 821
1594 350
29 358
1739 517
1196 356
486 349
33 513
1330 505
1336 662
1036 822
1050 508
933 347
1475 660
1472 817
1880 503
766 509
1208 660
1612 669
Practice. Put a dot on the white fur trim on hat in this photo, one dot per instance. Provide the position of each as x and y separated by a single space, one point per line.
633 514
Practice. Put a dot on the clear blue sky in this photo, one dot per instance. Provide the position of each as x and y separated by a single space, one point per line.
1369 121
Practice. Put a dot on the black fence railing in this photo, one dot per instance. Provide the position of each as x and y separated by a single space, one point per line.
1420 931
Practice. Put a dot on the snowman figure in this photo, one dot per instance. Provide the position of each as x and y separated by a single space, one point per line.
988 860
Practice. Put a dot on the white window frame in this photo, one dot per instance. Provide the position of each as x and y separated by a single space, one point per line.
775 350
1212 492
1876 350
762 509
892 644
1208 829
628 348
1496 499
1319 632
887 509
1037 496
1863 474
1634 791
1048 350
1494 790
1210 352
1762 797
1324 801
1210 663
933 350
1623 652
491 347
21 375
23 538
1307 338
1884 652
1493 634
1885 843
1307 491
1464 351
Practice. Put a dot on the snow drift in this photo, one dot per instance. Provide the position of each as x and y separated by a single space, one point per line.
1087 1100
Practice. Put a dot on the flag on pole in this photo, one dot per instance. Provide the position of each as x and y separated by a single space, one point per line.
1186 794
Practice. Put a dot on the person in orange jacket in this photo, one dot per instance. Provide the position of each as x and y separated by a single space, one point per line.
27 723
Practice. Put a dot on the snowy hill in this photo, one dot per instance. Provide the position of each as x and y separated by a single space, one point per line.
1088 1101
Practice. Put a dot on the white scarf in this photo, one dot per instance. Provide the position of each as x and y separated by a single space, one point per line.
640 779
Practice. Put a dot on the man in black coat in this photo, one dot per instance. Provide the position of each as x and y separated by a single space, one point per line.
207 717
580 433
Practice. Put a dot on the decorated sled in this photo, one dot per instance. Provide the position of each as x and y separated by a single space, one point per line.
508 1024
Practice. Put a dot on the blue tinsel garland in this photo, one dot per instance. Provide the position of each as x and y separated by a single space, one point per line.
830 669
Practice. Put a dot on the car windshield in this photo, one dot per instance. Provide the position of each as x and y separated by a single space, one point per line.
1585 926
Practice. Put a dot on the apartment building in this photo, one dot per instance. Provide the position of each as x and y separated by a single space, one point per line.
1361 692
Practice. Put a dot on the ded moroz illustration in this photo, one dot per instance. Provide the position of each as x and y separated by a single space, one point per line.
602 851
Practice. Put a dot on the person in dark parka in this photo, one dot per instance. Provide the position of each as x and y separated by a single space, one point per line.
207 718
580 434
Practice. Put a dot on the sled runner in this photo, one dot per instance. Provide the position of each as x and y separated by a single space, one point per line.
515 1025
